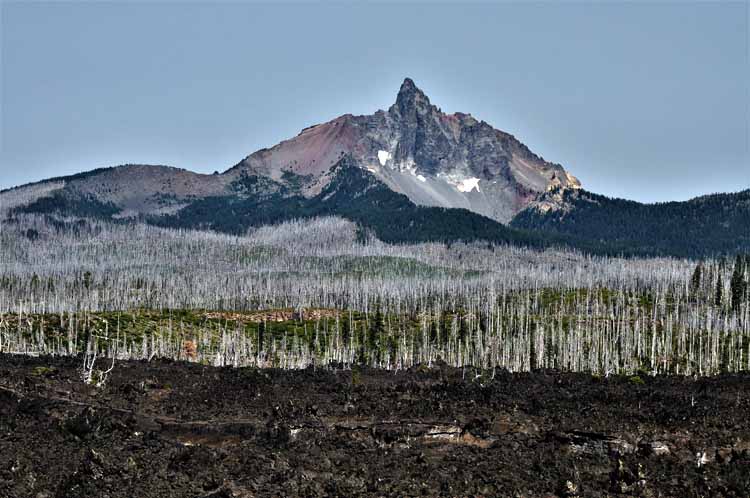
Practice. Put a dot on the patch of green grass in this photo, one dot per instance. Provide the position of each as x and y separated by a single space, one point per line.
43 371
636 380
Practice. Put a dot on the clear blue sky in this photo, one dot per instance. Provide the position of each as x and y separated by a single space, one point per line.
647 101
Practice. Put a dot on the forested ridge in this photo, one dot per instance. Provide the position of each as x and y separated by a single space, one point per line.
707 226
710 225
354 194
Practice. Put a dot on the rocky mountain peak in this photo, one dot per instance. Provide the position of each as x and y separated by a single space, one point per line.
410 99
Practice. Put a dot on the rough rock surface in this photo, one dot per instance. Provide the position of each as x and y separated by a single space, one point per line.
164 429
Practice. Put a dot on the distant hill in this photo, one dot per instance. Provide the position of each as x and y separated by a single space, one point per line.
705 226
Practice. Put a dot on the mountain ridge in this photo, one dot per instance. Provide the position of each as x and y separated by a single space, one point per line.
706 225
448 177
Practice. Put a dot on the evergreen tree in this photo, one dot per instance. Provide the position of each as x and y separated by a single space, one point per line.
87 280
433 332
463 330
695 280
738 284
346 332
377 323
261 334
361 358
34 282
445 330
719 289
377 330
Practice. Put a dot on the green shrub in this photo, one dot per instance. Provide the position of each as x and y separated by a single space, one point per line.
636 379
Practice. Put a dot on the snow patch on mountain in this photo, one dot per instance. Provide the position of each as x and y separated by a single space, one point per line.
469 184
460 182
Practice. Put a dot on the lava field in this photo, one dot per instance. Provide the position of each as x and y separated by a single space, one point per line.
178 429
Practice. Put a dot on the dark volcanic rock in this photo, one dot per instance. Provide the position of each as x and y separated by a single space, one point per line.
243 432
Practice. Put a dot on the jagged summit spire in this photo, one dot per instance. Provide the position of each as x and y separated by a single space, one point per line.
408 85
410 98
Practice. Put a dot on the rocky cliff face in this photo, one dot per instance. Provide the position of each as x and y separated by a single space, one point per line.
436 159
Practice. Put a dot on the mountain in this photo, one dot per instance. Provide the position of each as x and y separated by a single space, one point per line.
705 226
351 192
435 159
410 173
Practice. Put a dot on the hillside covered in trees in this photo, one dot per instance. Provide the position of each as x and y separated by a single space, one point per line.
705 226
708 226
